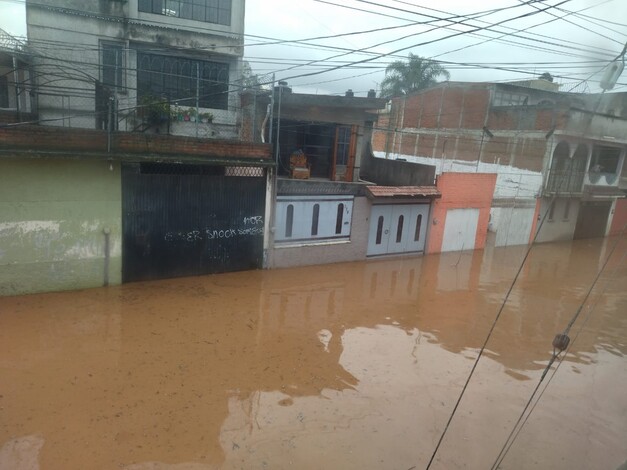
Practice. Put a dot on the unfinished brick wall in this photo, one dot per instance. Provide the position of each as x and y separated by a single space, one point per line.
461 191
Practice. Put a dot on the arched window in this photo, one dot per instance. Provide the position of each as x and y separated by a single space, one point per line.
289 220
379 230
314 219
339 219
399 228
418 225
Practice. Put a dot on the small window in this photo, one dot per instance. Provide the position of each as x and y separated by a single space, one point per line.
289 220
314 219
4 92
399 229
605 160
418 225
339 218
379 230
112 65
552 209
567 209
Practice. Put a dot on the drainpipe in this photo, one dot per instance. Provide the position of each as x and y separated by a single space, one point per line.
107 254
16 80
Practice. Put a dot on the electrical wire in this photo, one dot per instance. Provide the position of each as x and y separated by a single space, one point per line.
518 426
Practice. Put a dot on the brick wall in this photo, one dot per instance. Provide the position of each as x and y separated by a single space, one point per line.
461 191
41 138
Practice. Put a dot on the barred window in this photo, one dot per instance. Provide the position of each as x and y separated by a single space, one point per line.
177 79
112 65
209 11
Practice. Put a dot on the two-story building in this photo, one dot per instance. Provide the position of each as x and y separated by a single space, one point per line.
119 151
556 156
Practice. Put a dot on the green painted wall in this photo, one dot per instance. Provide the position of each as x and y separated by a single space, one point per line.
53 214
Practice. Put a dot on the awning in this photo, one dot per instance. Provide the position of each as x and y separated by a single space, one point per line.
404 192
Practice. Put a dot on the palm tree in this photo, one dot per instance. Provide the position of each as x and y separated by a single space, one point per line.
416 74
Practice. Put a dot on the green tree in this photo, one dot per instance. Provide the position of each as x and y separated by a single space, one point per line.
417 73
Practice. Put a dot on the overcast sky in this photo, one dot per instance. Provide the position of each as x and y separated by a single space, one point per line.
569 46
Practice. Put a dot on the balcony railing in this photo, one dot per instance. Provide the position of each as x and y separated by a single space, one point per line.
565 181
560 181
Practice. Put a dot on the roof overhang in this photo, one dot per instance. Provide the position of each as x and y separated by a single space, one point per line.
382 193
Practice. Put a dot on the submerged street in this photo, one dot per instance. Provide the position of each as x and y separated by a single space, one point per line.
348 366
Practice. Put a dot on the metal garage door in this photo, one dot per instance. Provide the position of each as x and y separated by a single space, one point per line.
184 220
397 228
460 229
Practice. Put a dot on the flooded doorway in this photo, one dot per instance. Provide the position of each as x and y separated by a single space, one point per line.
397 228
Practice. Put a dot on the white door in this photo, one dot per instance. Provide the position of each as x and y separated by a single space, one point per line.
397 228
514 226
379 234
460 229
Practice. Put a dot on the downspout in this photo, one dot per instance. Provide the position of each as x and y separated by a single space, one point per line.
16 80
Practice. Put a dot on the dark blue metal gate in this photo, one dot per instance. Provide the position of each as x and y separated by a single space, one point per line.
185 220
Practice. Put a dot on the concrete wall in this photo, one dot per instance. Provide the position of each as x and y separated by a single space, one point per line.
52 217
396 173
461 191
328 252
65 78
560 227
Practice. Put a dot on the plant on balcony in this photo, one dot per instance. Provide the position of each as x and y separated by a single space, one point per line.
154 111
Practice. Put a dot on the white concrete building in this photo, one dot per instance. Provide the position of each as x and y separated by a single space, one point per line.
139 61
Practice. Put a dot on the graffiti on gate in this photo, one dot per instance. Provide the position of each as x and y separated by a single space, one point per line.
251 226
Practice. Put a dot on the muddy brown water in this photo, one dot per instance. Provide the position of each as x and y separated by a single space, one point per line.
348 366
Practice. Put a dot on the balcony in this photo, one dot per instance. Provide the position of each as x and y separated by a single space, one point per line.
565 182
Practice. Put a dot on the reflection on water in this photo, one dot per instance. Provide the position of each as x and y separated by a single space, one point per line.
344 366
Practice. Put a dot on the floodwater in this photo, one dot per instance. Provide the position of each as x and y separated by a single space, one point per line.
349 366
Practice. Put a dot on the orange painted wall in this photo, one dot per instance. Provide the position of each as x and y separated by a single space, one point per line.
461 191
620 217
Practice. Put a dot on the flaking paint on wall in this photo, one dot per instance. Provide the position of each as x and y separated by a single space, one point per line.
53 214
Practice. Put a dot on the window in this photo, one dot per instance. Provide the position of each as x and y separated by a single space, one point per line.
209 11
314 219
4 92
180 79
566 209
112 65
503 98
289 222
339 218
418 226
553 203
379 230
343 145
399 228
605 160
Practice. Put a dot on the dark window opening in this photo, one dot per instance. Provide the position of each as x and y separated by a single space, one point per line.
418 225
552 209
4 92
567 209
605 160
379 230
314 219
339 218
399 229
112 65
289 220
209 11
180 80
